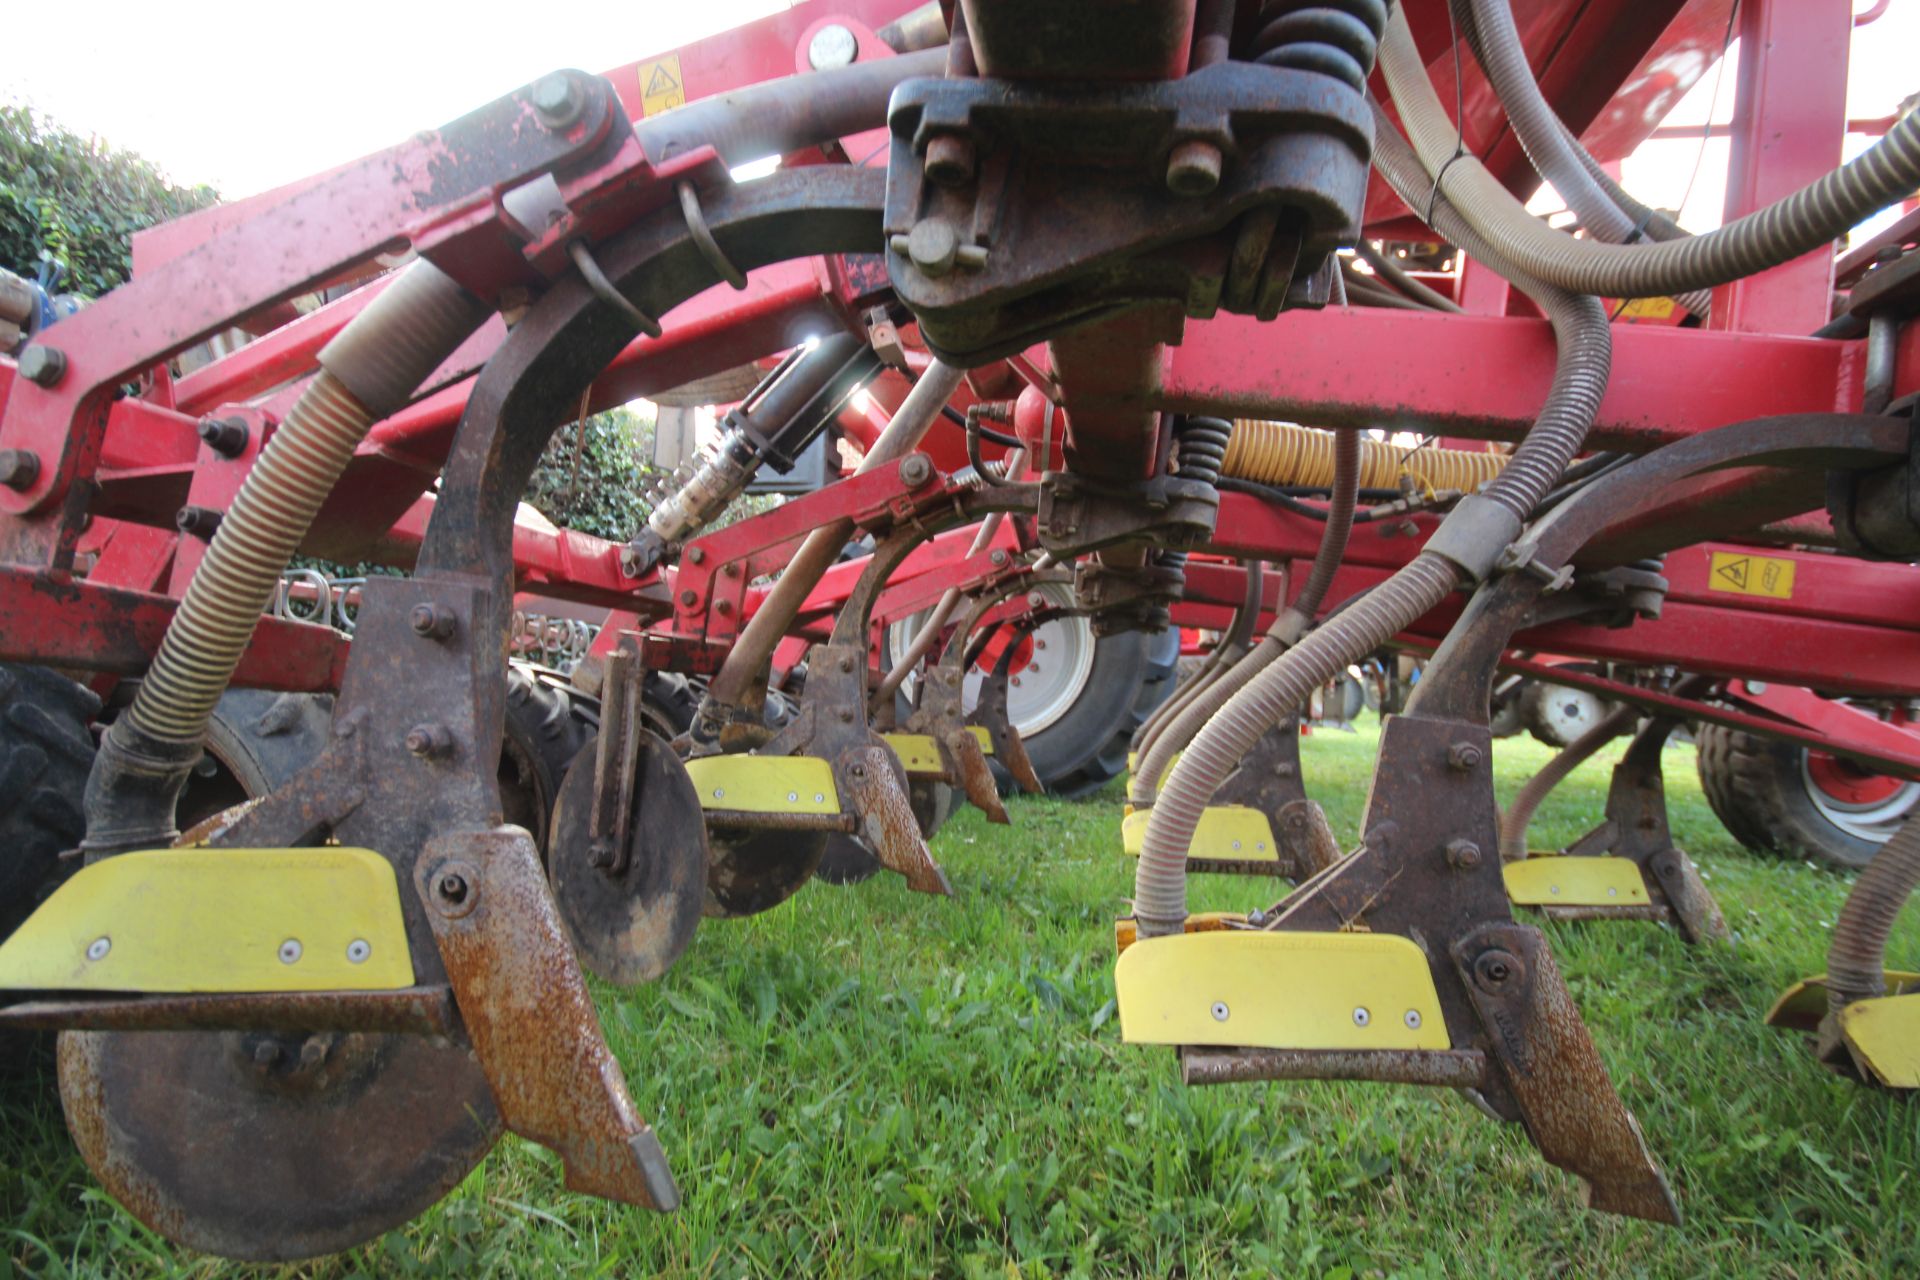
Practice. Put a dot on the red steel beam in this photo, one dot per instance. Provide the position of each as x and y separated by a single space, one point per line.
1486 376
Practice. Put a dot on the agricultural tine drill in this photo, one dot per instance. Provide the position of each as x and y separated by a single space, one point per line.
1067 278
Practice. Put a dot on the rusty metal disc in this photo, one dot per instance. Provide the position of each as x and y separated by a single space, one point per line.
273 1147
630 921
752 871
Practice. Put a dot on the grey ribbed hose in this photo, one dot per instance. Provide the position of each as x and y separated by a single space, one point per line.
1856 959
1519 814
1802 222
1542 134
1287 627
1579 380
367 372
822 547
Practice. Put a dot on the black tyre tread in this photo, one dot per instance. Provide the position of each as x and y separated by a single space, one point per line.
46 752
1109 760
548 722
1754 787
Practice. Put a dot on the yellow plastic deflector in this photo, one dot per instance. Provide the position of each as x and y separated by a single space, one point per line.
217 920
920 754
765 784
917 752
1805 1002
1885 1036
1226 831
1556 881
1279 991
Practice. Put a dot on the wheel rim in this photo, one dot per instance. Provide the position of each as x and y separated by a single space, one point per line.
1570 712
1866 805
1047 686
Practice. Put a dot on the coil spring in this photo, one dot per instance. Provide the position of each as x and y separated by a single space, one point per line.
1203 448
1336 38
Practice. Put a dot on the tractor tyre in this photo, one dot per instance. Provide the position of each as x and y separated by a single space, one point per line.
1780 798
46 752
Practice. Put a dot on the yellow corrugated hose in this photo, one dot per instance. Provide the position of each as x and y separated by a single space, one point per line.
1282 453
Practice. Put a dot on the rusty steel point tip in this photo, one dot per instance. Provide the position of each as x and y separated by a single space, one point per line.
1194 168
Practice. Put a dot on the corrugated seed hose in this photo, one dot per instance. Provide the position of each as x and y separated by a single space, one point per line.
1288 624
1543 136
1584 361
1802 222
1282 453
1856 959
1519 814
367 372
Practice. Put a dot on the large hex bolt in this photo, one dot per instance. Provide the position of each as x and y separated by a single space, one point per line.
1194 168
1463 855
557 101
915 470
198 522
43 366
225 436
1463 756
429 741
434 621
19 468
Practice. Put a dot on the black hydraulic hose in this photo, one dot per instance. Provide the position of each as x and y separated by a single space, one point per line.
1584 360
1396 275
1290 502
985 432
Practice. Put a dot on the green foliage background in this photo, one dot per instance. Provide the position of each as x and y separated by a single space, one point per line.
78 201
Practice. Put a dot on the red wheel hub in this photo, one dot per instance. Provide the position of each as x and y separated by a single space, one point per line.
1848 783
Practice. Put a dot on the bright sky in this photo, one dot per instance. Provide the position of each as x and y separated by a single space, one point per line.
249 95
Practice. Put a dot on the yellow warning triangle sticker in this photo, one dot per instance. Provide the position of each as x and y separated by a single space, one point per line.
1734 571
660 82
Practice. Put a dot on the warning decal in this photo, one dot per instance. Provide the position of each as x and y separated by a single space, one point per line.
1745 575
660 85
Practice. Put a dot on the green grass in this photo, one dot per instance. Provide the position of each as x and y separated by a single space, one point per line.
867 1082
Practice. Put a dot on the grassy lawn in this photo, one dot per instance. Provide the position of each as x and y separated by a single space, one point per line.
867 1082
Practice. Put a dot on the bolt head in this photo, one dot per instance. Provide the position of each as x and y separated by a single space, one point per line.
42 365
696 555
1220 1011
431 620
689 596
1463 756
98 948
291 951
557 100
915 469
358 950
428 740
1194 168
1493 970
19 468
832 46
1463 855
452 887
1362 1016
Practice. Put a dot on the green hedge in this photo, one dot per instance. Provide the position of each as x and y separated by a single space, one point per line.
78 201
